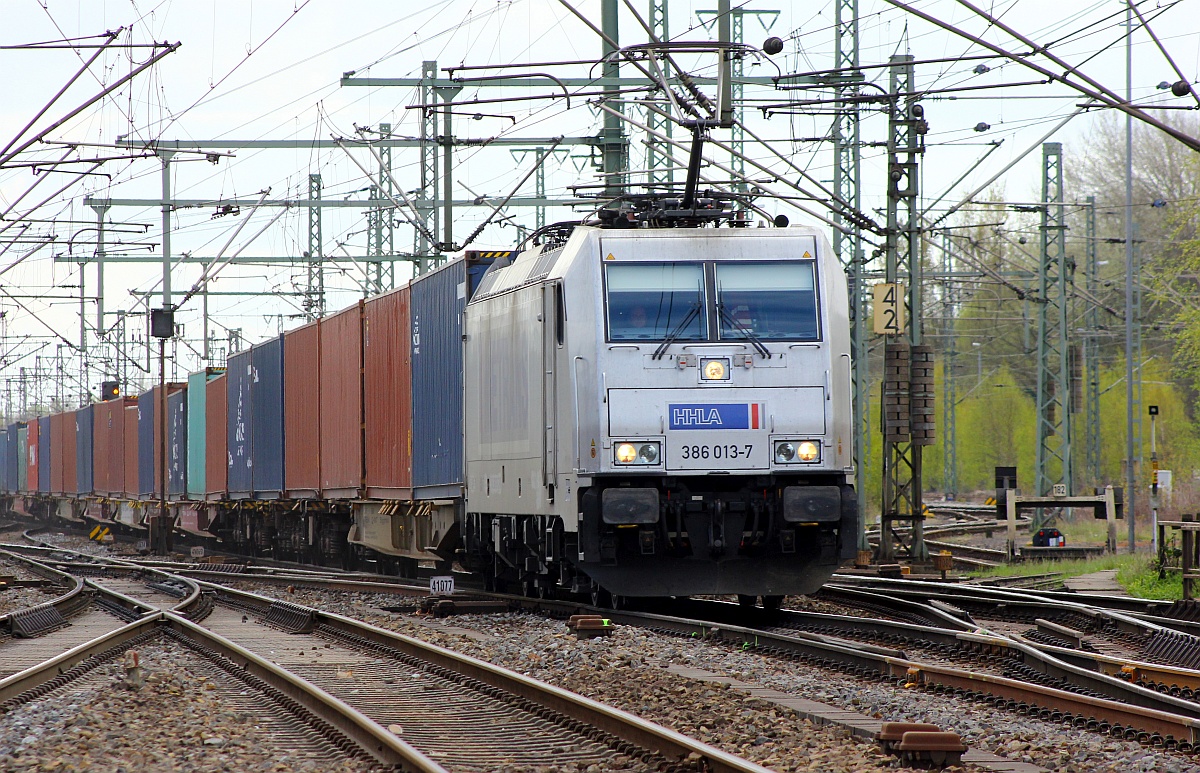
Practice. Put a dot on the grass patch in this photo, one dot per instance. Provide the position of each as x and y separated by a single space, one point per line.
1137 574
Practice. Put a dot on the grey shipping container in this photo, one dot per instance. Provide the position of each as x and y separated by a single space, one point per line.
266 418
44 459
438 300
238 375
12 462
150 441
84 469
4 485
177 445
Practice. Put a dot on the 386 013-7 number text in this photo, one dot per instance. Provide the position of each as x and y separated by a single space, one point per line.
717 452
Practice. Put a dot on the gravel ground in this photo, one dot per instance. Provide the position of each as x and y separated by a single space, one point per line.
12 599
627 670
179 721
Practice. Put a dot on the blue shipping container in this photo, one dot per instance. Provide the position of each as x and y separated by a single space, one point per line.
438 301
266 418
5 486
44 455
83 449
239 410
177 444
146 424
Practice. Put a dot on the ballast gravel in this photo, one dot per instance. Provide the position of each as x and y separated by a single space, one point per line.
628 670
180 721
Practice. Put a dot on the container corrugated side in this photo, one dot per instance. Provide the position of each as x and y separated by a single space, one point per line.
130 443
102 460
266 420
65 456
177 444
13 461
84 450
58 445
23 462
197 427
216 465
238 374
342 403
387 395
4 485
438 299
45 463
150 439
302 385
121 444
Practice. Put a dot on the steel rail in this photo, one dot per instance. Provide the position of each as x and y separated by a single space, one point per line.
628 727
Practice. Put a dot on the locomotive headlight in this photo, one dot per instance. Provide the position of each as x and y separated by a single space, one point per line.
637 453
714 369
797 451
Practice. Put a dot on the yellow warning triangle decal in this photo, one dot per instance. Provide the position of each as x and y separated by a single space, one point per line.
807 254
609 256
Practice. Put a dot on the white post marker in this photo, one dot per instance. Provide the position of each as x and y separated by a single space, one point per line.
441 586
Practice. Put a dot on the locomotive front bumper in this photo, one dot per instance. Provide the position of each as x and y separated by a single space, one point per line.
759 535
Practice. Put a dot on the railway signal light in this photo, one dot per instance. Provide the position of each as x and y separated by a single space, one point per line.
110 390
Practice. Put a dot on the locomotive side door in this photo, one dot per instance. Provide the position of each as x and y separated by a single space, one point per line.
553 334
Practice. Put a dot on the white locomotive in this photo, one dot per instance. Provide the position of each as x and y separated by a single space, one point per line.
660 411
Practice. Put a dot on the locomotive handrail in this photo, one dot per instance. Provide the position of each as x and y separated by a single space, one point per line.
575 389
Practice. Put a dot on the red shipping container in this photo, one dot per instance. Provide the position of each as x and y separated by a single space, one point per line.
64 453
130 450
31 448
216 464
302 411
387 395
342 403
100 432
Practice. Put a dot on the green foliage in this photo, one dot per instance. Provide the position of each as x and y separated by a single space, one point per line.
1141 579
1072 568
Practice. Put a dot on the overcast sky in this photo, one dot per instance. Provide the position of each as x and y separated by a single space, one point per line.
271 70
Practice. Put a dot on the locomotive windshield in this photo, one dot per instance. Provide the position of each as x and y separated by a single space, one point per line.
771 301
650 301
717 301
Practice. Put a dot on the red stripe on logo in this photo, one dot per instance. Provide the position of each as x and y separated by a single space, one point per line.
754 415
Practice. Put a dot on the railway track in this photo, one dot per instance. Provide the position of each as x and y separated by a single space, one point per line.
391 695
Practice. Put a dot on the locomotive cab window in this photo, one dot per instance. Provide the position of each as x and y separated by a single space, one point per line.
651 301
768 301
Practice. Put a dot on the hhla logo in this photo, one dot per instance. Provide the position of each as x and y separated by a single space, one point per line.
696 417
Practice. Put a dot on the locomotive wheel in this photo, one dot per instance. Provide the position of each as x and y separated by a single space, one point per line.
772 603
601 598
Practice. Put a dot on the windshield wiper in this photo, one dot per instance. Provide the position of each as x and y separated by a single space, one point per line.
676 331
755 341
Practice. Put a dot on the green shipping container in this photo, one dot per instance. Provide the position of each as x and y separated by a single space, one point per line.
196 483
23 458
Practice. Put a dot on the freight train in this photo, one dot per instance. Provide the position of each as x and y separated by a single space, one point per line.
628 407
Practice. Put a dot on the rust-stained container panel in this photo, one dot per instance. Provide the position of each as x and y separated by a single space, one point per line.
130 449
58 448
150 439
387 395
302 352
216 463
342 403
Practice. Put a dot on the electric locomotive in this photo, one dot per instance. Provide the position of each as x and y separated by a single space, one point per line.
660 411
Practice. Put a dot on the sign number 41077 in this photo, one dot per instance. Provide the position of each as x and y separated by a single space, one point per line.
888 308
441 586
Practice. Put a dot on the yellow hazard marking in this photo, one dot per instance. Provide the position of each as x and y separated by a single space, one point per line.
609 256
94 532
990 501
99 533
806 254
